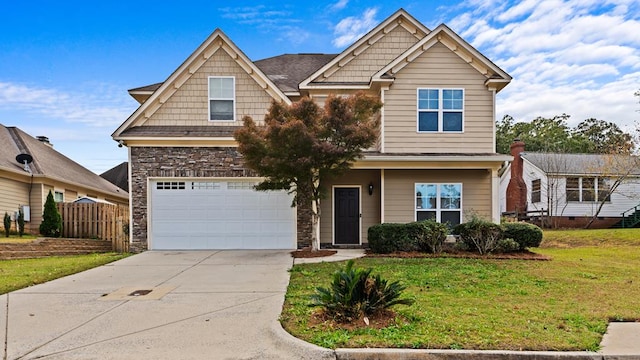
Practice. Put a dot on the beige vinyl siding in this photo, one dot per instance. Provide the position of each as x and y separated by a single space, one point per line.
38 197
374 58
189 105
370 205
438 68
12 194
70 195
399 192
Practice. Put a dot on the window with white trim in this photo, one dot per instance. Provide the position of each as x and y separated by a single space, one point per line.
58 196
587 189
440 110
536 190
440 202
222 98
170 185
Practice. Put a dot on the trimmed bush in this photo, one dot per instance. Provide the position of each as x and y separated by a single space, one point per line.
507 245
355 293
425 236
429 235
7 224
525 234
51 225
20 223
387 238
479 234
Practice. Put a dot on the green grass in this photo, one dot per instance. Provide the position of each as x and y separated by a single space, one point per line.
596 237
21 273
564 304
17 239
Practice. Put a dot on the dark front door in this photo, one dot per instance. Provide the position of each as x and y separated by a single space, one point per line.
347 216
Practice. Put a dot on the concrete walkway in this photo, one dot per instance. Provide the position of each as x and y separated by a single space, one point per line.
197 305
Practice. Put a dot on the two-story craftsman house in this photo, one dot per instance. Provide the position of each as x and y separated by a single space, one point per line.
435 157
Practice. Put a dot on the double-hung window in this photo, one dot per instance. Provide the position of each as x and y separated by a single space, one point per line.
535 190
440 110
440 202
58 196
587 189
222 98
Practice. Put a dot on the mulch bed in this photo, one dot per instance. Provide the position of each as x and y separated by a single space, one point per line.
379 320
522 255
307 253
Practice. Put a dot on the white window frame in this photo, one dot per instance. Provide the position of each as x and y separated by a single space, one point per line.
440 110
539 191
438 210
55 196
210 98
581 189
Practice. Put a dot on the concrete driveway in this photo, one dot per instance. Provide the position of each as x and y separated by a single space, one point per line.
202 305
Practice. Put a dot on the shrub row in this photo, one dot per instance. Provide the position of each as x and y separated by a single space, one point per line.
486 237
477 234
427 236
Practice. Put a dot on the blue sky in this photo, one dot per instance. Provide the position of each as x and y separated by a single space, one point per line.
65 66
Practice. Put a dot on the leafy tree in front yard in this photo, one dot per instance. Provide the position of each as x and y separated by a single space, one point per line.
51 225
302 144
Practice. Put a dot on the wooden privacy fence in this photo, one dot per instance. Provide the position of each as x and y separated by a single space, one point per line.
96 221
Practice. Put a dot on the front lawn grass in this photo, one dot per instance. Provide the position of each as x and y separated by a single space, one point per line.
26 238
563 304
21 273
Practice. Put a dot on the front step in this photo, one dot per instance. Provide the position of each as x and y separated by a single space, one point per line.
53 247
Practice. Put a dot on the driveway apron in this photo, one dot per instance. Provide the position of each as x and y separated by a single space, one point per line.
158 305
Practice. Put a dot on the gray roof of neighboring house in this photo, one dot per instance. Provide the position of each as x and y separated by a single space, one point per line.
47 162
287 71
584 164
118 176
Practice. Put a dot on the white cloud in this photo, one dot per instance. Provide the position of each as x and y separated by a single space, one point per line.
101 106
579 57
339 5
352 28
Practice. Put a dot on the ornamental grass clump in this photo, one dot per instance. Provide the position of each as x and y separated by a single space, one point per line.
355 293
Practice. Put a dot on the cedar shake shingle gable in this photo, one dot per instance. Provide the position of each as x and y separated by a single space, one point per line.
49 163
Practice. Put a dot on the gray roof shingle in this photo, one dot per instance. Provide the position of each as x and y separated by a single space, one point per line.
48 162
287 71
584 164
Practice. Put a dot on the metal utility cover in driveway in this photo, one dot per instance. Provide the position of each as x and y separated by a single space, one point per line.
219 214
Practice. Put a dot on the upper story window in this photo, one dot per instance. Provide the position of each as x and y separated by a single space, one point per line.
222 98
585 189
535 190
440 110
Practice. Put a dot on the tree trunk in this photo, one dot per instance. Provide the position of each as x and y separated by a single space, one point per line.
315 230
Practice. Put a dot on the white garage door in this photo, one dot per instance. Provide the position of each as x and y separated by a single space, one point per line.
213 214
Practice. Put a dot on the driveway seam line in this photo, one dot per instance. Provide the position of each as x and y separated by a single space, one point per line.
73 329
144 330
6 331
188 268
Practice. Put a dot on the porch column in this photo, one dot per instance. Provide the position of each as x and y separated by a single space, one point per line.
495 196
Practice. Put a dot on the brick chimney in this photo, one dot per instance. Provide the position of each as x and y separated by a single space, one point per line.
517 188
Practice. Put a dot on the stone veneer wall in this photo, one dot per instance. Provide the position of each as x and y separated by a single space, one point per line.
175 162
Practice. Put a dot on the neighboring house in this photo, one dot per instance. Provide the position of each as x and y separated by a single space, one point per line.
27 187
567 189
435 157
91 200
118 175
